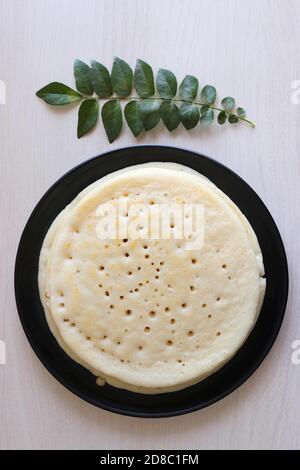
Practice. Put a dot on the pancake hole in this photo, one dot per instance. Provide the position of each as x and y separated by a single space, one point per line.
66 320
111 306
157 269
118 342
107 293
73 324
128 311
129 273
70 257
100 285
152 313
122 360
140 284
190 333
203 305
218 299
224 266
125 240
161 263
147 329
179 360
172 321
169 342
145 247
88 338
146 256
151 203
219 332
101 268
102 349
167 309
126 254
229 278
157 277
183 305
140 348
121 297
61 304
209 316
192 288
194 261
139 268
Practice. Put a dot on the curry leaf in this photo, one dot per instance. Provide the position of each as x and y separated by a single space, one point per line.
82 74
133 117
188 88
121 77
58 94
166 84
87 116
101 80
189 115
112 119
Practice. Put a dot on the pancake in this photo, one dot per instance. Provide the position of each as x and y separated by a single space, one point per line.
173 336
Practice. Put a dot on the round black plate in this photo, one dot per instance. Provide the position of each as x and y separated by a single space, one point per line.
79 380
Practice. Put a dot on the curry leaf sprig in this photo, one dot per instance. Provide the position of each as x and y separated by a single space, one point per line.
153 99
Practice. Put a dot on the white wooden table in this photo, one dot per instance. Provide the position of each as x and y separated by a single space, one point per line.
247 48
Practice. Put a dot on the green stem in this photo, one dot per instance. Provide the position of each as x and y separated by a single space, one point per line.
127 98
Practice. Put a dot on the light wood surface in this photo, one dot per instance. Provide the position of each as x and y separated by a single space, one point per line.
246 48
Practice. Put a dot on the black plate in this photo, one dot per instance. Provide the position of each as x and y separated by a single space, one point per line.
79 380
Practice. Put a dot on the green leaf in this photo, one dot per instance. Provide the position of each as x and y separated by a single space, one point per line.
133 117
58 94
83 77
188 88
169 113
166 84
189 115
233 119
150 113
121 77
228 103
206 115
87 116
222 117
143 79
100 79
208 94
111 114
241 112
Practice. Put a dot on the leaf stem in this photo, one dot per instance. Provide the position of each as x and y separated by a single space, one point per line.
177 100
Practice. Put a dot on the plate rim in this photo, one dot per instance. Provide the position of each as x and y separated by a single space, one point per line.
113 408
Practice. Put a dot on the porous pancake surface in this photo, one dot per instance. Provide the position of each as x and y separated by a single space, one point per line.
150 315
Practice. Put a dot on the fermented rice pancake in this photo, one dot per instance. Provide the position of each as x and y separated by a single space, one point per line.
149 315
